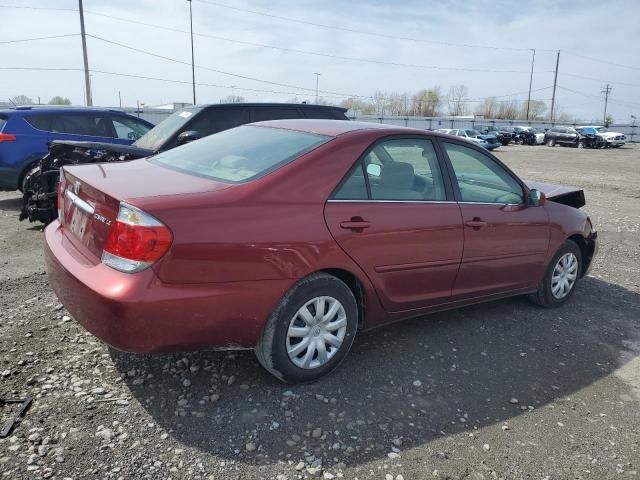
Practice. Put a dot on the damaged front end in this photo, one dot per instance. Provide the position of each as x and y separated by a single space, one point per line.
40 194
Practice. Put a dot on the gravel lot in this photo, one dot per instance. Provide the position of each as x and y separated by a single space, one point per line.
502 390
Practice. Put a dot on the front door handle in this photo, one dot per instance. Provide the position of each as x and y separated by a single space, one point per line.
476 223
356 224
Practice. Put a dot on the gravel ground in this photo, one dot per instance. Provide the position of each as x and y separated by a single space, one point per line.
501 390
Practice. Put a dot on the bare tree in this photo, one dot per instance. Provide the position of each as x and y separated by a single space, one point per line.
21 100
536 110
488 108
457 94
379 101
233 99
358 106
59 101
507 109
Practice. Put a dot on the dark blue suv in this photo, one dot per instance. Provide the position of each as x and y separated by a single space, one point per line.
25 133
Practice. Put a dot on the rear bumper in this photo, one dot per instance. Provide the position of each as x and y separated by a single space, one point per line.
139 313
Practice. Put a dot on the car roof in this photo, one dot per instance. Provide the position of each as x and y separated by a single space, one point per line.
333 128
268 105
27 109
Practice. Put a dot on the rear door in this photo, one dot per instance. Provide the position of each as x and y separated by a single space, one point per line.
505 240
90 127
394 215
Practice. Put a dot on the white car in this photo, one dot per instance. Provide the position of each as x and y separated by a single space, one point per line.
614 139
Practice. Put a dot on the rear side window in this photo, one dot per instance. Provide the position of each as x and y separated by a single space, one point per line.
240 154
3 122
39 122
263 114
216 120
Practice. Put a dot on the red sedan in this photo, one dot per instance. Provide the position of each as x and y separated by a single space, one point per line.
287 237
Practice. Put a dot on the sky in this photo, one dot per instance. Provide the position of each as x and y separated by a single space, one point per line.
410 45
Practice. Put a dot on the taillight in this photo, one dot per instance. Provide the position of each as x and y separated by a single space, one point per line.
136 240
61 197
7 137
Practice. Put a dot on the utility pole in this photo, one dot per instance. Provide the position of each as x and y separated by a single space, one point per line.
606 90
87 81
317 80
119 99
193 67
555 83
533 60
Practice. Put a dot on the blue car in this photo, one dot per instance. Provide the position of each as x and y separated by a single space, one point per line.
25 133
490 142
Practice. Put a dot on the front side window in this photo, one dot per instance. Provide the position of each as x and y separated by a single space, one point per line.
240 154
129 128
399 169
480 178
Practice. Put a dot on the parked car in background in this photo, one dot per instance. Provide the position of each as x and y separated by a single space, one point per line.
583 137
566 136
288 237
490 142
613 139
504 135
590 138
25 133
183 126
530 135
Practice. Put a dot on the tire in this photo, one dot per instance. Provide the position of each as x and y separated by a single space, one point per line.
275 343
582 144
545 295
22 181
551 142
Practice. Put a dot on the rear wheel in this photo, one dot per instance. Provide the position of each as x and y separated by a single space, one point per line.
582 144
311 330
561 277
551 142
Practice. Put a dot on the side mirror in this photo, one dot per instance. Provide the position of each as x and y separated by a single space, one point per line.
188 136
374 169
536 198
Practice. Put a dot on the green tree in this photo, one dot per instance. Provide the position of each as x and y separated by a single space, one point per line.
57 100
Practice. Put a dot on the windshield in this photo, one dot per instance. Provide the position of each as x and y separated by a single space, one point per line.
240 154
473 133
158 135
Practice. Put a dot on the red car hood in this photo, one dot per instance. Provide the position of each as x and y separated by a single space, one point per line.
571 196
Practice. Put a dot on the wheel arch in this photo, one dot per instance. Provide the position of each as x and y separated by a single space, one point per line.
357 288
586 249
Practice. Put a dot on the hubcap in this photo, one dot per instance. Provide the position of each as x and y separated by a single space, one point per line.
316 332
564 275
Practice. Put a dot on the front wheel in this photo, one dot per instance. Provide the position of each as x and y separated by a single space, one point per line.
311 330
563 272
551 142
582 144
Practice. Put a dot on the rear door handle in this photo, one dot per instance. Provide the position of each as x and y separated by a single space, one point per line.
355 225
476 224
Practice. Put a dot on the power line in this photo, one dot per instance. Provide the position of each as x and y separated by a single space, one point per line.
599 80
361 32
601 61
55 9
307 52
245 77
33 39
588 95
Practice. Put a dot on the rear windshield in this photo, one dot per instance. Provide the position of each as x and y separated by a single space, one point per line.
240 154
158 135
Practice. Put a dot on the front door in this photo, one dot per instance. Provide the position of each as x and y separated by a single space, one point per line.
505 240
394 216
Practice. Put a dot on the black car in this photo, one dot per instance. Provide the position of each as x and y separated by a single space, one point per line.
566 136
186 125
504 134
571 137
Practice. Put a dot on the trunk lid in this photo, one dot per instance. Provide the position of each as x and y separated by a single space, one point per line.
92 195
